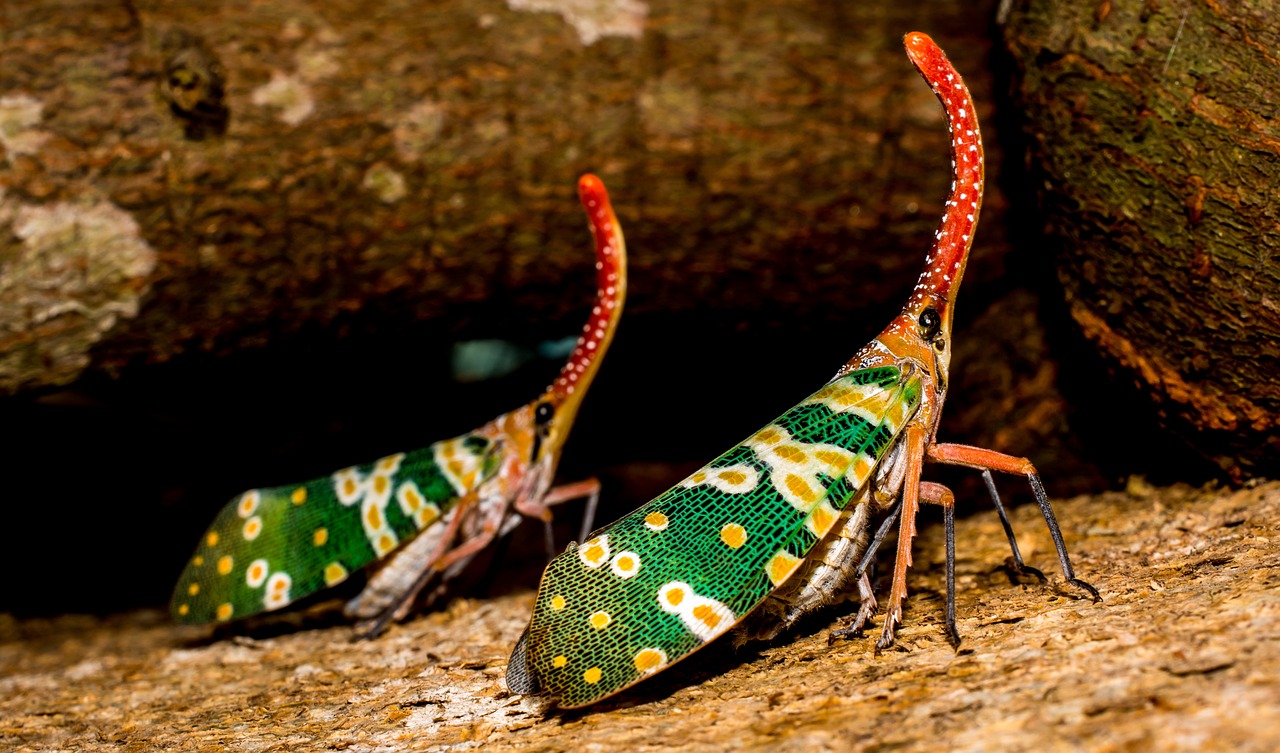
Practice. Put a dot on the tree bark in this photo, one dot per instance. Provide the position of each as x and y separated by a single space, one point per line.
202 177
1156 131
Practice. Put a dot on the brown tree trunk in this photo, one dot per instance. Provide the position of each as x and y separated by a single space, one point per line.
205 177
1156 130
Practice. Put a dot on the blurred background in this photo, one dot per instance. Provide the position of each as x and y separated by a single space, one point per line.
246 244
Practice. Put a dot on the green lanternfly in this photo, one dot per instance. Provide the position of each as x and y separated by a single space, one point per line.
421 515
779 525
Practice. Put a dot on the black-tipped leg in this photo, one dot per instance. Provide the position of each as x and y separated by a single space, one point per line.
1051 520
990 460
949 524
1014 562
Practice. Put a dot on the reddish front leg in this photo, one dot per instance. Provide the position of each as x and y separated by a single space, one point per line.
990 460
915 439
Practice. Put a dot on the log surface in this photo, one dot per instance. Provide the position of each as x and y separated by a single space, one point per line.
1182 655
204 178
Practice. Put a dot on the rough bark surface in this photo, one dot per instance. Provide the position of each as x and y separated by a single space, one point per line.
1182 655
205 177
1156 128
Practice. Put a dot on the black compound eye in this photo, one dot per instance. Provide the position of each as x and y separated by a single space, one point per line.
930 323
543 413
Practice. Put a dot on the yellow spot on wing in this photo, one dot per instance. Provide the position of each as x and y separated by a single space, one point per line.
781 566
595 552
193 589
600 620
836 462
212 538
559 661
650 660
412 498
224 612
706 615
800 488
224 564
733 477
257 573
733 535
183 609
334 573
592 676
625 564
656 521
197 560
557 602
320 537
791 454
248 503
862 466
299 495
675 596
821 519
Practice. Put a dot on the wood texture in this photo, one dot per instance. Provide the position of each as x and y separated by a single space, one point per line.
328 165
1182 655
1154 132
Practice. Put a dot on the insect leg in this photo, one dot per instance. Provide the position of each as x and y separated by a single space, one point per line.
430 566
941 495
915 439
866 595
978 458
590 489
1015 559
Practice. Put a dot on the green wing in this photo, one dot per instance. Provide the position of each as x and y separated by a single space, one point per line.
660 583
270 547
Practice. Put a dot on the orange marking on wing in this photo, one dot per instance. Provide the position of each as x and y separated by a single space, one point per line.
781 566
648 660
792 454
800 488
706 615
835 461
733 535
